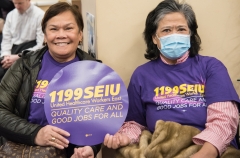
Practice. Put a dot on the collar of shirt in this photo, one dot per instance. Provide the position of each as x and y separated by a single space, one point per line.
180 60
28 10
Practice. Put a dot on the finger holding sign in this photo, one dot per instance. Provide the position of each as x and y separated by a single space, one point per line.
53 136
116 141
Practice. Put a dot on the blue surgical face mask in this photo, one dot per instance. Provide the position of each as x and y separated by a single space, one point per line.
174 46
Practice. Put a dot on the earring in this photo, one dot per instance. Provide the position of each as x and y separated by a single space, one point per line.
44 43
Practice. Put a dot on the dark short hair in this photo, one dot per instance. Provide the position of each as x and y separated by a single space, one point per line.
157 14
61 7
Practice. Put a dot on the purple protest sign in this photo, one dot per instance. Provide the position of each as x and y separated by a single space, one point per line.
88 99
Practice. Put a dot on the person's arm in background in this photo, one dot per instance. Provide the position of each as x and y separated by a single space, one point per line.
39 34
6 44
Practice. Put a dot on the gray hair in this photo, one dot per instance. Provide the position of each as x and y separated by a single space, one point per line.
156 15
184 8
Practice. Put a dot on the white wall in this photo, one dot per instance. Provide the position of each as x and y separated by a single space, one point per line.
120 26
90 7
219 28
44 4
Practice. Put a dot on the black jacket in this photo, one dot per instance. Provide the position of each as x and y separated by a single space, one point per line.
16 90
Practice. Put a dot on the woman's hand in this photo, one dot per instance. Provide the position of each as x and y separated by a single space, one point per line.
207 151
116 141
83 152
52 136
8 60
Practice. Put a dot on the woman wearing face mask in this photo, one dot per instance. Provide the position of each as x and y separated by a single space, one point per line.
179 85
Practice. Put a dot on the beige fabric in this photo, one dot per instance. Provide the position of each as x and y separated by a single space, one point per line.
169 140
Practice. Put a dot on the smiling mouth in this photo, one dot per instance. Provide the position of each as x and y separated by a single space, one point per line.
61 43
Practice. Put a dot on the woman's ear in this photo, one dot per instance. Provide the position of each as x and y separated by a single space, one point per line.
80 36
155 39
44 41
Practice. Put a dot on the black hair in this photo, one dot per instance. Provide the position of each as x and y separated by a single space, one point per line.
61 7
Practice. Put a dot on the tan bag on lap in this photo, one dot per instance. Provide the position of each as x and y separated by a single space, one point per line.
16 150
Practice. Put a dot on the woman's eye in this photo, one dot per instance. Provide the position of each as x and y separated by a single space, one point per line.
53 29
69 28
166 30
181 29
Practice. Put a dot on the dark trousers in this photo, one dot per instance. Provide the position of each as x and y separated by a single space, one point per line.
15 50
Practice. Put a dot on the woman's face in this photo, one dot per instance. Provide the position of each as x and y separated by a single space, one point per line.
171 23
62 36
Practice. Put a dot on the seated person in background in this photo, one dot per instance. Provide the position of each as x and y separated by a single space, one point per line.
177 76
62 26
22 30
5 7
